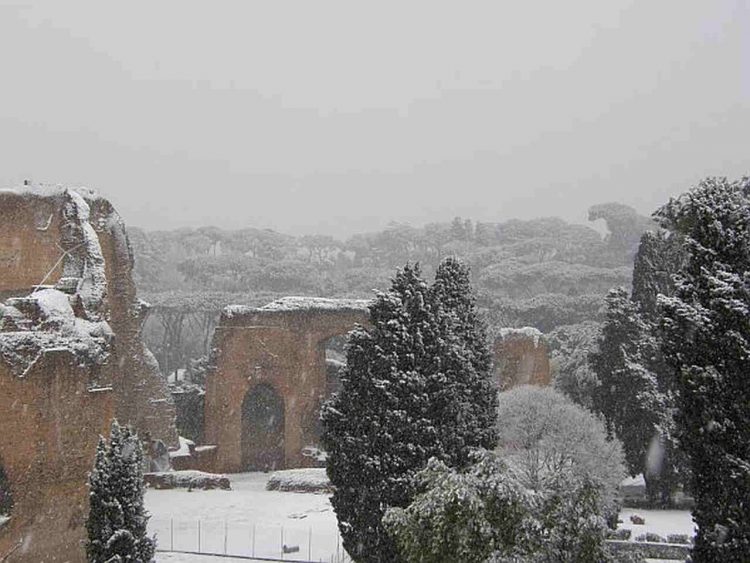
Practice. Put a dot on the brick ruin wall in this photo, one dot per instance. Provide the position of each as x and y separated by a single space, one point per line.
281 346
71 358
50 422
521 357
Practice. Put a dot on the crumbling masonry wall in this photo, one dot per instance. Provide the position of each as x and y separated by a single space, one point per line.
520 357
281 346
50 419
71 358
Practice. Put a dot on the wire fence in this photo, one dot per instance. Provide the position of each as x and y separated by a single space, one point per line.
272 542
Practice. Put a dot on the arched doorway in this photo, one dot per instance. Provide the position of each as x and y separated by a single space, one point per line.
262 429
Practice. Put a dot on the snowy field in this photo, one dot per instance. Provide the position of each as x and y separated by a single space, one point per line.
662 522
187 558
248 520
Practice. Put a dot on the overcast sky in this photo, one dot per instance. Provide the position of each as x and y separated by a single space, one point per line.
339 117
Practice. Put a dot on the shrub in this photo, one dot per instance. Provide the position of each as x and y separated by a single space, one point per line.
623 534
543 436
486 514
650 537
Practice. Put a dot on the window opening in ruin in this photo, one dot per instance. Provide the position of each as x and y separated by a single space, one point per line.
262 429
6 498
335 363
335 350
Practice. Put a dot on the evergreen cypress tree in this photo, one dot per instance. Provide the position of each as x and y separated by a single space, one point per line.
100 505
405 397
465 335
628 394
660 256
707 342
6 499
117 519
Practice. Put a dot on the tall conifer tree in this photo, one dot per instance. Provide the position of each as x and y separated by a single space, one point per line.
707 342
407 395
455 303
117 519
628 393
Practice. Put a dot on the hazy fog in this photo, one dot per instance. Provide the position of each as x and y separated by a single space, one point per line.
341 116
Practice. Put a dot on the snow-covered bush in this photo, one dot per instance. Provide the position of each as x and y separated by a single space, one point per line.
117 519
307 480
543 436
650 537
570 346
486 514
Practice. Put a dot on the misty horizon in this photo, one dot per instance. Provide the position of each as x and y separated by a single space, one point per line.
337 119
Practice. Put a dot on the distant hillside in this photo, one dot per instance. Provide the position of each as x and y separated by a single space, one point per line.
542 272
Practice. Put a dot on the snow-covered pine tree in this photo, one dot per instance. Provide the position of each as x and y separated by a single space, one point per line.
98 525
467 362
628 394
707 342
376 429
405 397
660 256
117 518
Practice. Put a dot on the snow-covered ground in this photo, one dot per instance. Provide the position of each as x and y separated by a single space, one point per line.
254 521
188 558
662 522
259 522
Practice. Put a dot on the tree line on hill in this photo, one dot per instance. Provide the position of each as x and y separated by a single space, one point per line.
545 273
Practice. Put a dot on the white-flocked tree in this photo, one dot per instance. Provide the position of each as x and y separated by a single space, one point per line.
412 390
707 342
117 518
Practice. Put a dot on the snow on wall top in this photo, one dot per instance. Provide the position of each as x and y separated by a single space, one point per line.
301 304
526 333
52 190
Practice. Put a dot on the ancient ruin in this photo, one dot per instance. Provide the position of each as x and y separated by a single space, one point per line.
270 376
521 357
269 380
71 358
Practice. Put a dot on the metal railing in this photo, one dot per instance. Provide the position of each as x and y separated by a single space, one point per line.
249 540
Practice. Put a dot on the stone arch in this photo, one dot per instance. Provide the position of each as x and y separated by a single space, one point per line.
262 437
283 345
